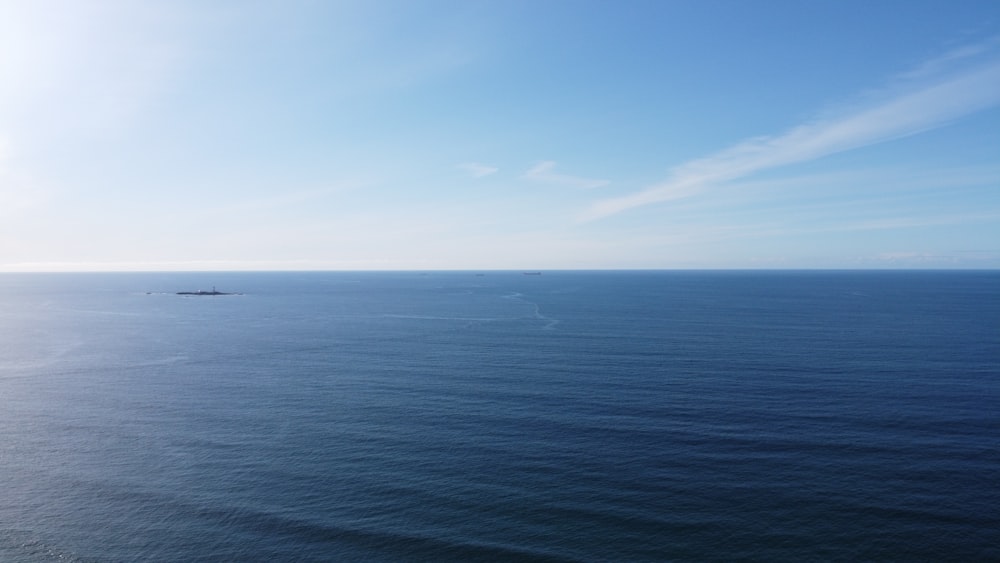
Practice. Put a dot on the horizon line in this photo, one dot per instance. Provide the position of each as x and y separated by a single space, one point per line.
531 270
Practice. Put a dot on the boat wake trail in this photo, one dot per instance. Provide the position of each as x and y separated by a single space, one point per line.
549 322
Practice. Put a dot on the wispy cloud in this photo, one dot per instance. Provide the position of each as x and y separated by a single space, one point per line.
477 170
911 256
543 172
918 103
941 64
925 259
892 223
298 197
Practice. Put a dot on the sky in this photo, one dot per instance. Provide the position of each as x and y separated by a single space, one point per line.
461 134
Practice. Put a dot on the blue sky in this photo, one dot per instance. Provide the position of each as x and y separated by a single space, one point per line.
258 135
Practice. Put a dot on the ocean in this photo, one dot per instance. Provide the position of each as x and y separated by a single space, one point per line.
492 416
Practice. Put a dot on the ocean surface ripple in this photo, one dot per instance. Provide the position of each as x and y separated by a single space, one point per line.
570 416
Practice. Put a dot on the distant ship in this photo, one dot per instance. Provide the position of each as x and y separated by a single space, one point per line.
532 273
203 292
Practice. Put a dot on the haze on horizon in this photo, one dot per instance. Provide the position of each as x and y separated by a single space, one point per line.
370 135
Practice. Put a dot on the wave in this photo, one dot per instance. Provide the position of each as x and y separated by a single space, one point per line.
23 545
194 531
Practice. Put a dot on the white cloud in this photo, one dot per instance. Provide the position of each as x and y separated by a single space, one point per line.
920 108
542 172
477 170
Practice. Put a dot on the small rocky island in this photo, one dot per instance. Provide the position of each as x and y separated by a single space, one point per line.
203 292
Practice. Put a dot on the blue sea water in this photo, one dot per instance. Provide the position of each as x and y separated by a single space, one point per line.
571 416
